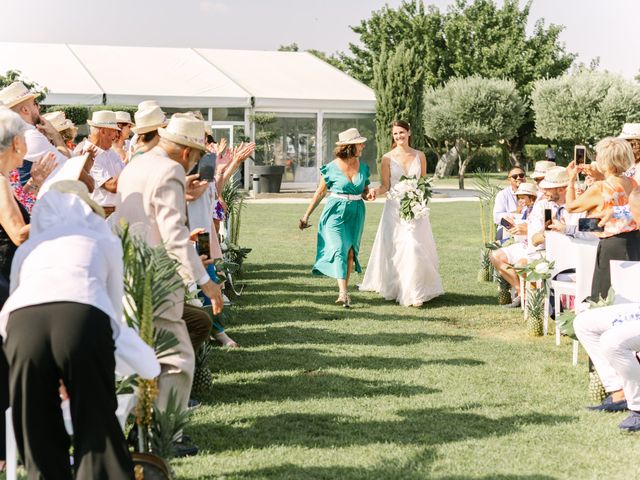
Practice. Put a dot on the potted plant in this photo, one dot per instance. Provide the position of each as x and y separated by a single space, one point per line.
270 174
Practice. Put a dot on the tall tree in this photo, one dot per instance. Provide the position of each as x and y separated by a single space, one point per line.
473 112
398 80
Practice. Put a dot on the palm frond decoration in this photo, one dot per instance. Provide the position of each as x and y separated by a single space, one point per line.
487 191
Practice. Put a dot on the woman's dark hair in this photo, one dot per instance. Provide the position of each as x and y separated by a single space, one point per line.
401 124
147 137
345 151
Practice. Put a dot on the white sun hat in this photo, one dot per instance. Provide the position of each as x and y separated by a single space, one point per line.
123 117
149 120
527 189
59 121
630 131
349 137
541 168
555 177
186 130
14 94
148 104
104 119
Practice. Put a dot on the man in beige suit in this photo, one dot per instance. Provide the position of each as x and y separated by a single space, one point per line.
152 190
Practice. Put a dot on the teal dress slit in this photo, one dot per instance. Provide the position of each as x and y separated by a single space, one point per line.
341 223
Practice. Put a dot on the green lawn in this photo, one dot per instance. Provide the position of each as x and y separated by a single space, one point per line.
454 390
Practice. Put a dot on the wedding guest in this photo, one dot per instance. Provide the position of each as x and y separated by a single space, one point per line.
506 203
342 220
148 121
540 169
620 239
121 144
59 324
64 126
631 133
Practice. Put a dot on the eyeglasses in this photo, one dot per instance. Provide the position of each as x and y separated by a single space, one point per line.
516 176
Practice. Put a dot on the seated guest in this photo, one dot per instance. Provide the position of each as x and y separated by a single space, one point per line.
505 258
620 239
506 203
539 172
631 133
60 323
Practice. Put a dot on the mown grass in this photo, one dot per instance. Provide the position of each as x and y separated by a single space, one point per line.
454 390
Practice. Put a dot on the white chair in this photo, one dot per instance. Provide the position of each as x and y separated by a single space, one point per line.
625 277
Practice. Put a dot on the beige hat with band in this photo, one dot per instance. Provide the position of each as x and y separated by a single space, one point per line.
185 129
527 189
555 177
123 117
59 121
149 120
630 131
350 137
104 119
541 168
14 94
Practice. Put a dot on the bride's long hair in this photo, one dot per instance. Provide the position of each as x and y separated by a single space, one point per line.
401 124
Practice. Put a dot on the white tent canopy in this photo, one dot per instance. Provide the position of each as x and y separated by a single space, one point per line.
185 77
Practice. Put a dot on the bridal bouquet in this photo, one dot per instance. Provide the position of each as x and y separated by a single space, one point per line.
413 194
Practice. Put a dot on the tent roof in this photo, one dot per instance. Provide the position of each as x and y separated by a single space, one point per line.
185 77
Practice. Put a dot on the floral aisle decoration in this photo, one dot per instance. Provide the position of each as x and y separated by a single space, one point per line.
413 194
536 275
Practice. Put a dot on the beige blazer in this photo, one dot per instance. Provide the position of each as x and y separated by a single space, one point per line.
152 195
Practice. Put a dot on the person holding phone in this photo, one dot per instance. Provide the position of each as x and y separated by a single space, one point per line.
342 220
548 210
620 239
506 202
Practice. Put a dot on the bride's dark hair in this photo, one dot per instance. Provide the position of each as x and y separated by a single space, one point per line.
401 124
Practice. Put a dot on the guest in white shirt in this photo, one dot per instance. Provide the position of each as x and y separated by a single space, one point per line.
107 164
539 172
59 324
506 202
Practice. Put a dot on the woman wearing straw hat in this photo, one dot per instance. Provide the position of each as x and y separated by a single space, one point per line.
342 220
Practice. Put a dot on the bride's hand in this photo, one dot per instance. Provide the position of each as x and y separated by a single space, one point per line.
371 194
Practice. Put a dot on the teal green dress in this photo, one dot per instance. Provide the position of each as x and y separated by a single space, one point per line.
341 222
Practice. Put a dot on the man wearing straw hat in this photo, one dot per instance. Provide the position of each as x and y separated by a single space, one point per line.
152 189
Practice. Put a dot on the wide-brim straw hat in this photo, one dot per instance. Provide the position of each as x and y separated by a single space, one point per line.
76 187
143 105
185 130
555 177
123 117
149 120
14 94
527 189
104 119
630 131
350 137
541 168
59 121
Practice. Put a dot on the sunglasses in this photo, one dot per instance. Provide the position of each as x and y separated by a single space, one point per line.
516 176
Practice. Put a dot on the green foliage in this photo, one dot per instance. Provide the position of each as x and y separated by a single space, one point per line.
292 47
167 427
398 82
78 114
487 191
264 137
476 111
566 318
11 76
584 106
116 108
331 59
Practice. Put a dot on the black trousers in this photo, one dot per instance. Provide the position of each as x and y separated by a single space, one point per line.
4 374
72 342
624 246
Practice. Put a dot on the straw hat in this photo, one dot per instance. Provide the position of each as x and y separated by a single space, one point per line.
149 120
186 130
76 187
15 94
541 168
104 119
59 121
527 189
148 104
555 177
349 137
123 117
630 131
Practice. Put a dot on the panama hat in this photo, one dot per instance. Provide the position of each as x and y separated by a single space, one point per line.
104 119
149 120
123 117
76 187
630 131
527 189
15 94
59 121
541 168
555 177
185 129
349 137
148 104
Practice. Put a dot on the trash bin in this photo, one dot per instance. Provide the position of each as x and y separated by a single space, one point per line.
255 180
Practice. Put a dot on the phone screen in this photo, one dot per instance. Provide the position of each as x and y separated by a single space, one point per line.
547 218
203 245
589 225
579 154
506 223
207 167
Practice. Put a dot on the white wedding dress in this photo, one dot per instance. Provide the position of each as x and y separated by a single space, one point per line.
404 264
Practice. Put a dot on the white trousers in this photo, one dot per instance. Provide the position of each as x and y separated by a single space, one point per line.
611 337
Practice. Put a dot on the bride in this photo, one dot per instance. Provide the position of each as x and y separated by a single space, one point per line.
404 264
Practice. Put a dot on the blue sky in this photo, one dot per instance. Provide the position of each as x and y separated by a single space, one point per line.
604 28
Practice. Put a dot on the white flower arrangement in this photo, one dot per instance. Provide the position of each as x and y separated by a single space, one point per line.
413 195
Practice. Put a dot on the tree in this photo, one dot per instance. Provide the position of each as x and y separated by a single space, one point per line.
16 76
399 85
475 112
584 106
292 47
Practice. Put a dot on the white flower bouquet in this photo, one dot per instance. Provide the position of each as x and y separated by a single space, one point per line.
413 195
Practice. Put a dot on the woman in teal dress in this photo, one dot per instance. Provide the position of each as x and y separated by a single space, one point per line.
342 220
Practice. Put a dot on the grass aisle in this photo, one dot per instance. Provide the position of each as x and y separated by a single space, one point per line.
454 390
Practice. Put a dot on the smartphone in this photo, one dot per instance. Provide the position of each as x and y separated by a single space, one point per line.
589 225
547 218
579 154
207 167
203 244
506 223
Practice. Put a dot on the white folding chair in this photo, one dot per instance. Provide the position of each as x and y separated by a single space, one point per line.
561 252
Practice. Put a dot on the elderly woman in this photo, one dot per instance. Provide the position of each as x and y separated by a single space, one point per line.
620 239
59 324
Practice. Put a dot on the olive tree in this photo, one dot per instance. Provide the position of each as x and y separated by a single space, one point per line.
473 112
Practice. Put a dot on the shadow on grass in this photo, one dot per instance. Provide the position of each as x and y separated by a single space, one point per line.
426 427
307 385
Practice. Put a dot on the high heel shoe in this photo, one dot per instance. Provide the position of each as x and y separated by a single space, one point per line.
344 299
